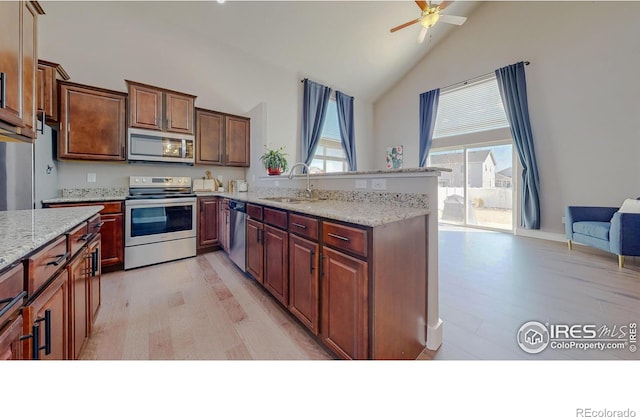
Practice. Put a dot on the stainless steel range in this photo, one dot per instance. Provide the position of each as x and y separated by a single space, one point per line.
160 221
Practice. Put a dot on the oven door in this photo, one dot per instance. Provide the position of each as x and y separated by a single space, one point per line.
158 220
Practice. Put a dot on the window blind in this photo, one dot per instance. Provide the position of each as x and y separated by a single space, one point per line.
474 107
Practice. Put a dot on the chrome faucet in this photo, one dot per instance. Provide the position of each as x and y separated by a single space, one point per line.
308 191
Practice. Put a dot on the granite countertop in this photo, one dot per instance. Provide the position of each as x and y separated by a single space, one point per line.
366 213
80 195
24 231
82 199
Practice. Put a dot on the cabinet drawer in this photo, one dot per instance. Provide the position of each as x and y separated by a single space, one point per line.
76 239
254 211
112 207
42 265
344 237
11 287
276 218
303 225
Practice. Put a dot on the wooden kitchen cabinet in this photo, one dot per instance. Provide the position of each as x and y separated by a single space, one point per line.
95 278
79 303
255 249
47 77
18 63
276 263
92 123
207 223
49 311
10 344
11 298
344 304
222 139
304 284
157 108
111 230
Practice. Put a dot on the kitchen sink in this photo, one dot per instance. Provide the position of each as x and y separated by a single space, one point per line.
291 200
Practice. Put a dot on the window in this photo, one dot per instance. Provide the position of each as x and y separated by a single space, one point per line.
474 107
474 141
330 156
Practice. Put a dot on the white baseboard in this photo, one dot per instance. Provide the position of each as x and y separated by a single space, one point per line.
434 336
556 237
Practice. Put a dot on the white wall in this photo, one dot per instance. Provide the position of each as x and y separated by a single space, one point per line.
583 94
104 43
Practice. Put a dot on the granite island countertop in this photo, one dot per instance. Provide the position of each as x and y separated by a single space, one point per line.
392 207
24 231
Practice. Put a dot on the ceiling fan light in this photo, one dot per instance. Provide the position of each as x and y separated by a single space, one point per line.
430 19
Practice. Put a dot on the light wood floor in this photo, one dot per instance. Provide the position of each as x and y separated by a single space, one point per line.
490 284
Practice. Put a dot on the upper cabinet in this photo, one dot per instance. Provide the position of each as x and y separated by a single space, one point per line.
48 75
160 109
18 64
222 139
92 123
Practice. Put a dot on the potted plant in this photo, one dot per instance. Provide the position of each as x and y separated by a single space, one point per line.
274 160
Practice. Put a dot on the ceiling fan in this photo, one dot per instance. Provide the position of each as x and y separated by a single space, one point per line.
430 16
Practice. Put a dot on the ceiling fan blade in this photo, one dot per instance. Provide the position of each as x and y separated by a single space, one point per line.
422 4
422 34
454 20
404 25
444 5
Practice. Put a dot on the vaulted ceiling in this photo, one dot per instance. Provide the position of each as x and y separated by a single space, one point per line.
345 44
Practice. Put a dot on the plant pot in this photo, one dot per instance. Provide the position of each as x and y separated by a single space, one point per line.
274 171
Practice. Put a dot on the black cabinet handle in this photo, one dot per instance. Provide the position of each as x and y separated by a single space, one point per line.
84 237
47 333
3 90
311 255
302 226
35 335
98 225
41 130
346 239
11 302
59 260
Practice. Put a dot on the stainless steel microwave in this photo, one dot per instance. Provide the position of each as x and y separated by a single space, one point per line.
155 146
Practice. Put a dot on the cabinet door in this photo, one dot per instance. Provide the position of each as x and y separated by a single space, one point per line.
304 296
344 304
92 124
179 113
112 233
10 345
29 68
79 311
209 137
237 139
276 263
145 107
47 77
10 63
255 250
51 303
95 279
207 222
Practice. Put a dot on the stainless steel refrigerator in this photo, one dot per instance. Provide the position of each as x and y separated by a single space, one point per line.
16 176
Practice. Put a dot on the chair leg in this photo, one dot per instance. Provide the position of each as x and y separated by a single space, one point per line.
570 244
620 261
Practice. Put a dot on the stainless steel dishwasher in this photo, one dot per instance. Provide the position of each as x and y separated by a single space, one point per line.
237 233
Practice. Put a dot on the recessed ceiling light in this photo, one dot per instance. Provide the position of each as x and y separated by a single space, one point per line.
220 1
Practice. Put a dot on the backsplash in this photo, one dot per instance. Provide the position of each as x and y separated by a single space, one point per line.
99 192
384 198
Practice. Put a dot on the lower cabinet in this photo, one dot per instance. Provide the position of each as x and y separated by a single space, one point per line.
46 322
304 284
10 345
255 249
276 263
95 277
207 222
344 304
223 223
79 308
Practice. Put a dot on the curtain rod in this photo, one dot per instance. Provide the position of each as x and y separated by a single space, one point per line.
474 78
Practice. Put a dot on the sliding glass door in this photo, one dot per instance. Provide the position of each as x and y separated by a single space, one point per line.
479 189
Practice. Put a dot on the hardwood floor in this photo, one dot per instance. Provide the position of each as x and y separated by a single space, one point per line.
198 308
490 284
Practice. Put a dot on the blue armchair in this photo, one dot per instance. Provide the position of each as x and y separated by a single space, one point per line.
604 228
